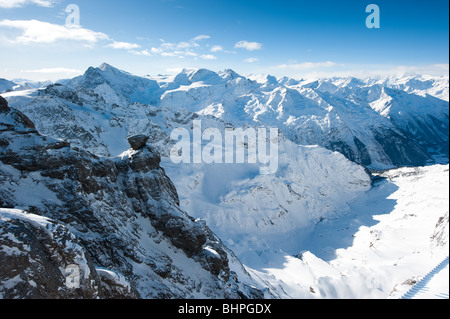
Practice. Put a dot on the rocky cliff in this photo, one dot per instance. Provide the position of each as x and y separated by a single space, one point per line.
116 219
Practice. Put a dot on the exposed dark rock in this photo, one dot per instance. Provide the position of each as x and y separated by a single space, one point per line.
364 153
3 105
138 141
401 150
43 260
14 120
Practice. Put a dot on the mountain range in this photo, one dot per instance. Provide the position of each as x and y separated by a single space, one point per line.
145 227
379 124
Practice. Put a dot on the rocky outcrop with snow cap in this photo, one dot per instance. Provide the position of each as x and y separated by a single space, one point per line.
120 215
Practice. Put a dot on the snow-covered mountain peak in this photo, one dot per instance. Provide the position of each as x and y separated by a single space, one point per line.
115 85
206 76
108 73
229 74
349 82
348 115
321 85
105 67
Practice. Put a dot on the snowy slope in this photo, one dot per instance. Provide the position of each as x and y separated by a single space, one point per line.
240 204
417 84
389 240
433 285
6 85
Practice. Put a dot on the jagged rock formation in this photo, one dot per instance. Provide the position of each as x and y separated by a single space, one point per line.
119 215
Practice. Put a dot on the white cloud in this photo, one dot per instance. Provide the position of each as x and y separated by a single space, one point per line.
216 48
141 52
192 42
184 45
168 46
177 54
169 54
8 4
250 46
208 57
123 45
308 65
201 37
38 32
251 60
54 70
156 50
432 69
188 53
359 71
181 49
174 70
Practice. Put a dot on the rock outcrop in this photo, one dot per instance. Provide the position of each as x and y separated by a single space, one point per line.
42 259
137 142
120 216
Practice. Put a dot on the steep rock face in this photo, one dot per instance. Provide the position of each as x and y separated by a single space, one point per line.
423 119
123 211
3 105
37 255
14 120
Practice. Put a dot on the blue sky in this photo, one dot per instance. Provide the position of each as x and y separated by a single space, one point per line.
292 38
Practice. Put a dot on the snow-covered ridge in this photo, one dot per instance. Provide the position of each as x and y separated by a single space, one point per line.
380 123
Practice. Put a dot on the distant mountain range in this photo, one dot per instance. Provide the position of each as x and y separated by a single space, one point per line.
379 123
